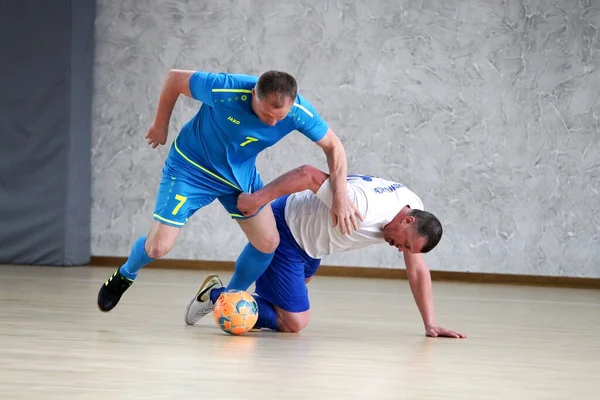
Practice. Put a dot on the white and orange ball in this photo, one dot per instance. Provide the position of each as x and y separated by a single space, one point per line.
235 312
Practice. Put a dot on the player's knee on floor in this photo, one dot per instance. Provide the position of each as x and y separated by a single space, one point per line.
293 322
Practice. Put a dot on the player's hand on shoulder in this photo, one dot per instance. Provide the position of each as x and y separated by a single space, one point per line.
247 203
434 330
156 135
345 214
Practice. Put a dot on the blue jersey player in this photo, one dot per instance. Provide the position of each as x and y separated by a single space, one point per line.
213 158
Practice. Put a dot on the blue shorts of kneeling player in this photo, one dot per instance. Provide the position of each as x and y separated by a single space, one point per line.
283 284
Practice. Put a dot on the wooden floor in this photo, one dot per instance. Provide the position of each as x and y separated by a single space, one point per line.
365 341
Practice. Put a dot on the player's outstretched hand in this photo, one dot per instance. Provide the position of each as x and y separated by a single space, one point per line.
156 135
247 204
435 330
345 214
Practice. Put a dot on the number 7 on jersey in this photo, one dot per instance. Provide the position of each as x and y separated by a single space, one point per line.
249 140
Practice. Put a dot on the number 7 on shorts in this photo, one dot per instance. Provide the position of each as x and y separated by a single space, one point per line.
181 199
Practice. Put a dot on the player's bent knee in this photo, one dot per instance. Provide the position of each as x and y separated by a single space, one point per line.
268 243
294 322
161 240
296 326
271 243
158 249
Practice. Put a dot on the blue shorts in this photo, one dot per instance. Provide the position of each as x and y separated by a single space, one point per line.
284 281
185 188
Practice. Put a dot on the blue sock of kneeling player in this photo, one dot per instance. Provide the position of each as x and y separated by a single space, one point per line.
267 317
137 259
215 293
249 266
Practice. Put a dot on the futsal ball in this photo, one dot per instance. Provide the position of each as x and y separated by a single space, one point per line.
235 312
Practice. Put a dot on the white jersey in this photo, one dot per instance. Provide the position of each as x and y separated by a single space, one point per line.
308 216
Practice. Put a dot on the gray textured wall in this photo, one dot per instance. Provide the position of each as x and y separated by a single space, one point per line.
487 109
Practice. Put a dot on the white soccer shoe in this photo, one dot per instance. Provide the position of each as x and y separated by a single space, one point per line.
200 305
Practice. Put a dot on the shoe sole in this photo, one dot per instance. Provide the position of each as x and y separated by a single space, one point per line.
201 289
104 311
107 310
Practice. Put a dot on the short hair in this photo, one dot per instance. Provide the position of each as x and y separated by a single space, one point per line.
280 84
427 226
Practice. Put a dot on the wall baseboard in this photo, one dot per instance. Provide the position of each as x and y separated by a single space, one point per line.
378 273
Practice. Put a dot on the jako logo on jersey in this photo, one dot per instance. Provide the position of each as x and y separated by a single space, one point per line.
235 121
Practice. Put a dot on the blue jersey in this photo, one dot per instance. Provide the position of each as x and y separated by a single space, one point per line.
224 138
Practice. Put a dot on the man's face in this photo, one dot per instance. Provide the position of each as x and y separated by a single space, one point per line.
267 111
401 233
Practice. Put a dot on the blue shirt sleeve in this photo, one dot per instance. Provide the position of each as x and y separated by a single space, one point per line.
307 121
203 83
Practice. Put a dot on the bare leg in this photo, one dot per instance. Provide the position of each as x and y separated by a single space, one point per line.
261 231
161 239
292 322
275 318
158 243
145 249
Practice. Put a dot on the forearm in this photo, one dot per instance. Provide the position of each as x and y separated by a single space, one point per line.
296 180
420 285
338 169
166 101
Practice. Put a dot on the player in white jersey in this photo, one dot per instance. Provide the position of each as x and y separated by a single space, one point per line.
390 213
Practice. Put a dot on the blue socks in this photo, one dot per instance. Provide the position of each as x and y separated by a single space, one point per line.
267 317
215 293
249 267
137 259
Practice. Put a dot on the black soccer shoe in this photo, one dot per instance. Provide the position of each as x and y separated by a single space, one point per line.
110 293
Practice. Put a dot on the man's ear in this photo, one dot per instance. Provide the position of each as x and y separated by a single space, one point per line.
409 220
